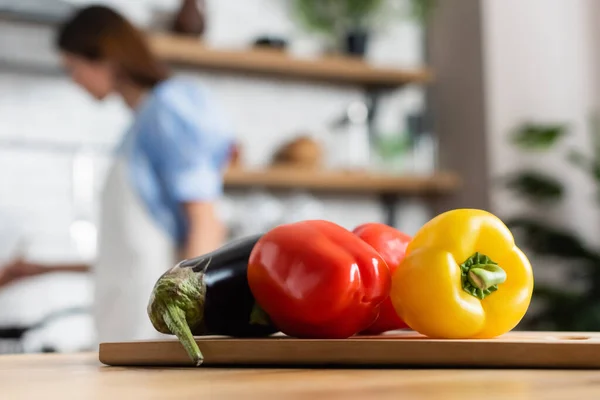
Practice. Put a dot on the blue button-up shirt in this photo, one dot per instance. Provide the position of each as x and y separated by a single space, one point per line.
177 149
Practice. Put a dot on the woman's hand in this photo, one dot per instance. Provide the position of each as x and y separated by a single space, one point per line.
18 270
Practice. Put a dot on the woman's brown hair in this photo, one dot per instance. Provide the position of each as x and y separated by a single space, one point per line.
98 33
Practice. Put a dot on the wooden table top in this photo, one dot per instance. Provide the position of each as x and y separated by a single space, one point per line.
82 377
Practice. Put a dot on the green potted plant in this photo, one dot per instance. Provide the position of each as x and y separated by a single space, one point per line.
347 25
574 304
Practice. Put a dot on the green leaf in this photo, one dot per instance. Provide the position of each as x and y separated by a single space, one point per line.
592 278
538 137
422 9
586 318
331 17
536 186
556 294
546 240
591 166
595 133
359 9
313 16
390 147
579 160
562 308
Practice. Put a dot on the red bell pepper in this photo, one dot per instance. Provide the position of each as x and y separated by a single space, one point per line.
391 244
316 279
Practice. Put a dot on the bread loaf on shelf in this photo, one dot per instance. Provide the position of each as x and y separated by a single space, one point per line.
302 152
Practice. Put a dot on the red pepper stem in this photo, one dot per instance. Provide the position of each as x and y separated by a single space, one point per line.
175 320
481 276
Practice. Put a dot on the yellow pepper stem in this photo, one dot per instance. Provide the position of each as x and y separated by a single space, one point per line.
481 276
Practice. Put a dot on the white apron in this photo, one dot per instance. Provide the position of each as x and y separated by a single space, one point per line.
133 253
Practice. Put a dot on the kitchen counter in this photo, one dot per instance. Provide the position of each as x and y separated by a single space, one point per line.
81 376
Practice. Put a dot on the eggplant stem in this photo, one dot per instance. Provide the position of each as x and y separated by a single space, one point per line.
258 316
175 320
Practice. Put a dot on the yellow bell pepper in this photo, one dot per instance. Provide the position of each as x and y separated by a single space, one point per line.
463 277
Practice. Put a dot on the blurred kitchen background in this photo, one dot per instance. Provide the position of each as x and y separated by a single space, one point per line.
421 107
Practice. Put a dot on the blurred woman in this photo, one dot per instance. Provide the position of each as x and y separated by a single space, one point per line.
158 203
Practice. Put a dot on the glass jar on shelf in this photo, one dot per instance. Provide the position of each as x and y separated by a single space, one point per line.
351 148
424 147
391 153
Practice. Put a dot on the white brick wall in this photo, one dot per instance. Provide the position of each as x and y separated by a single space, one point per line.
40 106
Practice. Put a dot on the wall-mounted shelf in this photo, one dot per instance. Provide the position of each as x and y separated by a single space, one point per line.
388 187
339 181
187 51
339 70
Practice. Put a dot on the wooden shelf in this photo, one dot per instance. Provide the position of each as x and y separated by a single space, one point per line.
340 70
182 50
339 181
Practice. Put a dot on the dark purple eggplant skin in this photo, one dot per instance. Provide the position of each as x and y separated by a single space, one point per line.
209 295
228 302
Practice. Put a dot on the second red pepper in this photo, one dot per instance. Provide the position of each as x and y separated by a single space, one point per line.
316 279
391 244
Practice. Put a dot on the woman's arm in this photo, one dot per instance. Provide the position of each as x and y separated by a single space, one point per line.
20 269
206 232
190 143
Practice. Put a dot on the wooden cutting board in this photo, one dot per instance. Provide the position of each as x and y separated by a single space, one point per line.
397 349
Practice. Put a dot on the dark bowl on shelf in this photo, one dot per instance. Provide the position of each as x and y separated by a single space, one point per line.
270 42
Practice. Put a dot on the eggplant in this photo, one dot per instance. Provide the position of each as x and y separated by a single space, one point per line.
209 295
